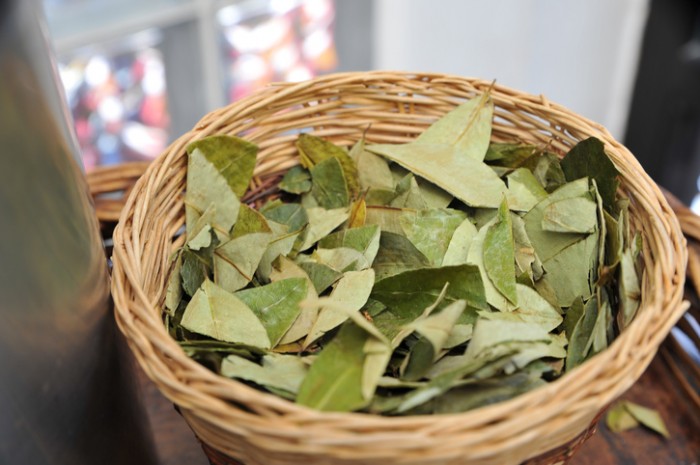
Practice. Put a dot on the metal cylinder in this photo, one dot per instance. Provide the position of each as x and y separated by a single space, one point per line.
67 393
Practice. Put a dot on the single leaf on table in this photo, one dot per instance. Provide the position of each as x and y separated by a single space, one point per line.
219 314
364 239
457 252
284 268
431 230
499 254
588 159
574 215
351 293
397 254
296 181
329 186
334 381
321 223
525 189
647 417
467 128
276 304
293 215
372 170
619 419
285 372
314 150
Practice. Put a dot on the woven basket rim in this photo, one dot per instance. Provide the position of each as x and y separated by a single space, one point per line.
670 306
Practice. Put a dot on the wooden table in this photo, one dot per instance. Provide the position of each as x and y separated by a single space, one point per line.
176 445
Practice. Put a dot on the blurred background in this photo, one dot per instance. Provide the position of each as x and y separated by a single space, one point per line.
139 73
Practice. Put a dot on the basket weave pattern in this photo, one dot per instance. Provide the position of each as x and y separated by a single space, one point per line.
260 429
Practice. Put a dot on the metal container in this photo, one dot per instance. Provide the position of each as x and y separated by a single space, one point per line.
67 392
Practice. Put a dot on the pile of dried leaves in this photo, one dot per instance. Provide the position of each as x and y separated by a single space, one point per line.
433 276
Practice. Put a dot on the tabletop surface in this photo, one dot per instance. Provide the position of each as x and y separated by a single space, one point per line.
176 444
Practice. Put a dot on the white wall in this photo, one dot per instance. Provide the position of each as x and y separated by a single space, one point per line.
581 54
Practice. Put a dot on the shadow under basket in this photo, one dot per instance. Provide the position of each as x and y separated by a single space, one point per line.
238 424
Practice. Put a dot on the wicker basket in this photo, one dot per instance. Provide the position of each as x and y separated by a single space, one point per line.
237 423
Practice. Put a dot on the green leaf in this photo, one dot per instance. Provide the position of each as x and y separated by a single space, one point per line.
364 239
233 157
499 254
619 418
432 195
276 304
219 314
296 181
431 230
284 268
373 171
647 417
314 150
341 259
235 261
351 293
524 186
476 185
476 257
508 155
435 330
629 290
408 194
388 218
489 333
321 223
322 276
277 371
568 271
467 128
457 252
334 381
329 186
407 294
580 340
194 271
173 295
533 308
280 244
547 243
526 259
199 237
547 170
207 186
397 254
574 215
249 221
291 214
588 159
